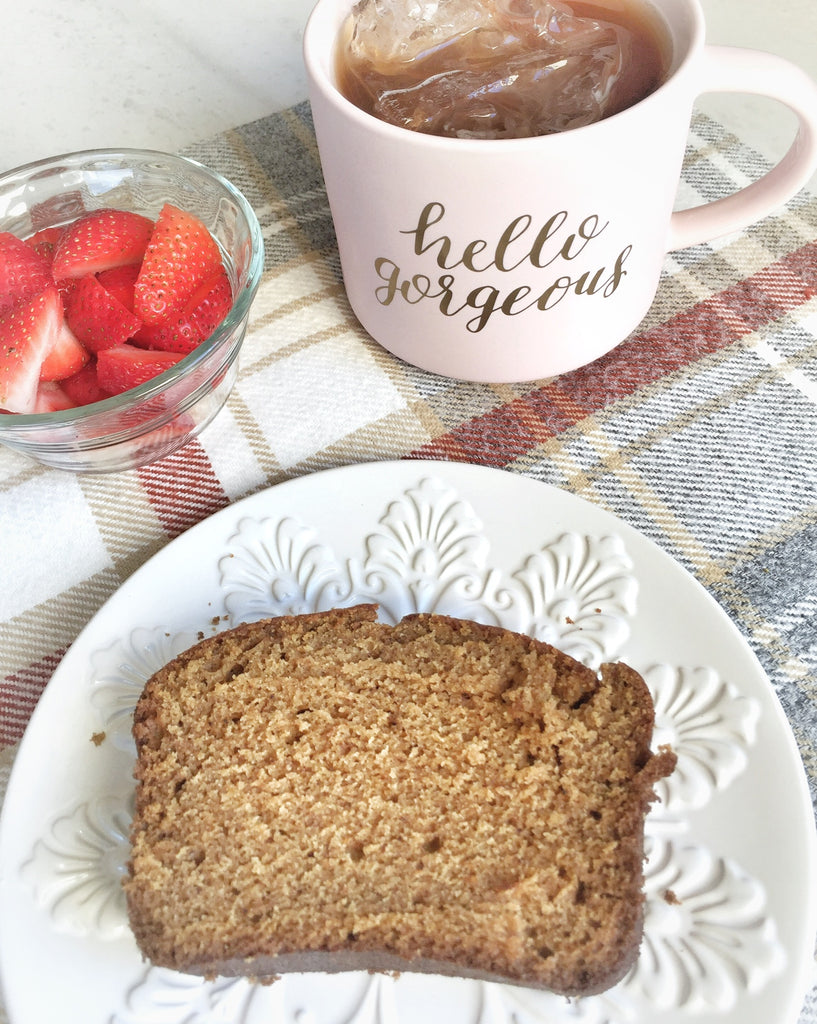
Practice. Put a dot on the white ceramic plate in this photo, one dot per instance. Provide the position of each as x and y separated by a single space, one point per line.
730 879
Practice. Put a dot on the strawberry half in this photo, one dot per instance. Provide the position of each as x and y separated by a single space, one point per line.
211 303
52 398
206 308
45 242
97 318
66 358
23 272
100 240
120 281
180 256
124 367
27 335
83 387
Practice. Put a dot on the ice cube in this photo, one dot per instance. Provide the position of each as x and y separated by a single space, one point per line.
488 68
392 32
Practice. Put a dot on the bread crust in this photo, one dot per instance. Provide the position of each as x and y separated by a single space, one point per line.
329 793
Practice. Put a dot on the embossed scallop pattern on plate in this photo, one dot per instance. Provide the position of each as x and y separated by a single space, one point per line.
75 870
711 942
429 553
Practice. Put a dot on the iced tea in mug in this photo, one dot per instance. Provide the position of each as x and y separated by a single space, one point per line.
499 69
505 255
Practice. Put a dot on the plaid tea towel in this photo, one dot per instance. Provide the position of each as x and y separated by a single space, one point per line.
700 430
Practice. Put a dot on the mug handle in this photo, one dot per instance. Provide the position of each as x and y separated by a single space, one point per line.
733 69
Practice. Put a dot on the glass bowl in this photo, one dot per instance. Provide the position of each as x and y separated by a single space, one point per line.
158 417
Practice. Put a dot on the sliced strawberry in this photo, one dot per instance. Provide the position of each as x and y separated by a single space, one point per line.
45 241
181 255
27 335
205 310
23 272
66 358
211 303
66 287
100 240
176 335
52 398
124 367
119 281
97 318
83 387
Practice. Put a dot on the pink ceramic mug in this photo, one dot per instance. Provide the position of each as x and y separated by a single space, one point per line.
519 259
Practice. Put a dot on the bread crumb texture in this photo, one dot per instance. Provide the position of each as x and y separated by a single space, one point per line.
436 792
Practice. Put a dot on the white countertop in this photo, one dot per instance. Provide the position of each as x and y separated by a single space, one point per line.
92 74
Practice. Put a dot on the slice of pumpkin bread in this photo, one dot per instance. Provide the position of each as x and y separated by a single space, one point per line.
326 792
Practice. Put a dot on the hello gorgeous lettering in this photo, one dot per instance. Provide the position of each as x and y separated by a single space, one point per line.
552 243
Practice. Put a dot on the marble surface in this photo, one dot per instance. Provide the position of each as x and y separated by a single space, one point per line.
114 73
